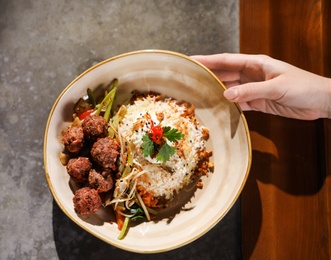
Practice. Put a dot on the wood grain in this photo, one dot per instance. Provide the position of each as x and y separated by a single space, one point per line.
286 202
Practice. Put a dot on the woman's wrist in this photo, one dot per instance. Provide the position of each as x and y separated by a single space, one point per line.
326 113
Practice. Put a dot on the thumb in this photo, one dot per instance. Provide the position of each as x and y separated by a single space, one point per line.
252 91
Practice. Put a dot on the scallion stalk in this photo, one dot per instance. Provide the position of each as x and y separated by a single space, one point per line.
108 99
124 228
91 97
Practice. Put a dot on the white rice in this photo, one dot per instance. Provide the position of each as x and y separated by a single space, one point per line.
158 180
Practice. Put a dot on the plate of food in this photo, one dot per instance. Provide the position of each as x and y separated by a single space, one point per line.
143 151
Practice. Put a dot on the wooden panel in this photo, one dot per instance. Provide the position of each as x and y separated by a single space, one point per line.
286 201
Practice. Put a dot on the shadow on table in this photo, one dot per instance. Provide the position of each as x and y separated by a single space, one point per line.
287 159
221 242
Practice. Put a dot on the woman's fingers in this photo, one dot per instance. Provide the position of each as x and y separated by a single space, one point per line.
230 61
223 61
253 91
227 76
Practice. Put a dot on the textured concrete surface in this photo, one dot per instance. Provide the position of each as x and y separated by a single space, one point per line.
43 46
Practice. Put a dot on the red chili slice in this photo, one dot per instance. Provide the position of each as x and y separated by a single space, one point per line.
156 134
85 114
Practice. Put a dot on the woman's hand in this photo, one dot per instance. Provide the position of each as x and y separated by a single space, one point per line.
259 82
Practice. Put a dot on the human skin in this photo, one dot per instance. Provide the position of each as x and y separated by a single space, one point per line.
261 83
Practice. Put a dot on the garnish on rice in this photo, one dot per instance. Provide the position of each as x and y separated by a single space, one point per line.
155 142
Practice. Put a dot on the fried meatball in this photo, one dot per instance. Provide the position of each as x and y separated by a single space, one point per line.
73 139
86 201
94 127
105 172
105 152
98 182
79 168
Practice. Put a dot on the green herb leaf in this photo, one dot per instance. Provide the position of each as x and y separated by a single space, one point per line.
138 213
165 152
147 145
172 134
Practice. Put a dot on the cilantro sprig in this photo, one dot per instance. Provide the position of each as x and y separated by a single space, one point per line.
172 134
148 146
162 150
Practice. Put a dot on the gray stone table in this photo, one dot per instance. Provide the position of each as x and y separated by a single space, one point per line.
44 45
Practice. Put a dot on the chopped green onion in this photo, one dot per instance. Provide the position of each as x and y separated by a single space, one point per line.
91 97
108 101
124 228
109 105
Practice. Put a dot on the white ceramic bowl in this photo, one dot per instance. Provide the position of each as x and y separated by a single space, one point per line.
183 78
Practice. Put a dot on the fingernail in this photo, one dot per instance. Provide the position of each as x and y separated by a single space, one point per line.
231 93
